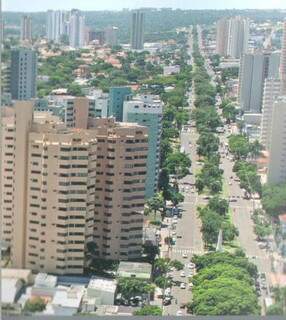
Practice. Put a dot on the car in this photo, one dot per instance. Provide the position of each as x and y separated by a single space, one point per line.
182 274
183 285
184 255
167 301
179 313
230 183
174 233
191 285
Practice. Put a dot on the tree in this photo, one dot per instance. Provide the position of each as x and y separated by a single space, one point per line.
35 305
211 224
239 146
208 144
130 287
178 163
255 149
219 205
156 203
274 199
149 311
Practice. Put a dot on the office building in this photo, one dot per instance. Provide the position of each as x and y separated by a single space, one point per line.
283 61
238 35
271 92
111 36
117 96
222 29
137 31
147 111
77 29
26 29
68 190
55 25
254 69
23 74
277 141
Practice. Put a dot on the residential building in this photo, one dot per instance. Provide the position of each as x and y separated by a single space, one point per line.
122 150
48 186
283 61
55 25
111 36
147 111
238 35
137 270
170 70
68 191
117 96
277 141
254 69
103 290
23 74
222 33
137 31
26 29
77 29
271 92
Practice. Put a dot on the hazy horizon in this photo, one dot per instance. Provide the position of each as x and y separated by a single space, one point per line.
90 5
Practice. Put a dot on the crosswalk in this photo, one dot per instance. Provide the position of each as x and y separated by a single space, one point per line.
186 251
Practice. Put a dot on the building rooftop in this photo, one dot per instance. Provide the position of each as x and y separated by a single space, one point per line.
69 297
44 280
102 284
282 217
134 270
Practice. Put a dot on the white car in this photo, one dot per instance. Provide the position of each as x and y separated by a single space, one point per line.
179 313
183 285
182 274
191 265
184 255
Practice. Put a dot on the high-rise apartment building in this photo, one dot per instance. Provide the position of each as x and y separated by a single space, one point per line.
271 92
23 74
55 25
222 29
283 61
111 36
67 190
137 32
254 69
238 35
147 110
117 96
26 29
277 141
77 29
122 150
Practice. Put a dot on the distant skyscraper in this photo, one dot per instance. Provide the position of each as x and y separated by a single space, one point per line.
117 96
77 29
254 69
147 111
238 35
23 74
26 29
222 36
111 36
137 32
55 25
277 141
283 61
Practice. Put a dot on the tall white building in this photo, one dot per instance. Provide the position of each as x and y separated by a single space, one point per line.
277 142
254 69
77 29
137 31
238 35
271 92
283 62
55 25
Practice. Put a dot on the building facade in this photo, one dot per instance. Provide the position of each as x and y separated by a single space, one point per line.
147 111
111 36
26 29
23 74
277 141
77 29
137 31
254 69
55 25
117 96
222 32
283 61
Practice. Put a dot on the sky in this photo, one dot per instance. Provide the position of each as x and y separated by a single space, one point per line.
43 5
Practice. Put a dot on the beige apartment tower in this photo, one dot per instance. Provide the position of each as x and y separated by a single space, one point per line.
67 190
283 62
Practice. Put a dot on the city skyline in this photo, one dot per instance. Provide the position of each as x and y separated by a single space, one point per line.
30 6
